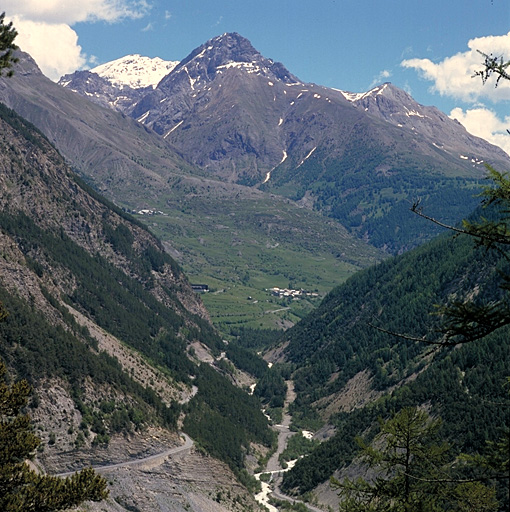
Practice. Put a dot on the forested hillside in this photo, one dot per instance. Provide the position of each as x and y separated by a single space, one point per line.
98 310
350 369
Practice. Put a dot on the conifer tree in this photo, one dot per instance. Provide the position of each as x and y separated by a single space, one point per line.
7 46
469 320
404 457
411 472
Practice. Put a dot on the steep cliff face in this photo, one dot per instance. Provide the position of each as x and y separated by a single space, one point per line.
80 268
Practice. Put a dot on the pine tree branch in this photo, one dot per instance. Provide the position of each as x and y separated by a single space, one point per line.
408 337
493 66
487 478
490 235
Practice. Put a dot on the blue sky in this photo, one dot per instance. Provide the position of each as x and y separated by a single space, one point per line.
427 48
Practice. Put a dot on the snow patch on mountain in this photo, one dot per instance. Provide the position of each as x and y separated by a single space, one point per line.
413 113
306 157
141 119
357 96
250 67
135 71
172 129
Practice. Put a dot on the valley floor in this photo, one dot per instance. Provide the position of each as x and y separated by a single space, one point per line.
274 467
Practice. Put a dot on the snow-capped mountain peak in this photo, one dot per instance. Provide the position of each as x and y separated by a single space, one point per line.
135 71
223 53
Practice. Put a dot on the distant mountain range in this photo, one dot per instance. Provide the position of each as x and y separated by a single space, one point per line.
228 72
360 158
232 120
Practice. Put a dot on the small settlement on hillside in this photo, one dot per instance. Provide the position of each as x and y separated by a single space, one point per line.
286 292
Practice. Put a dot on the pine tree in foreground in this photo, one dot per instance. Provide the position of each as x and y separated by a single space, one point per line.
21 488
7 35
410 470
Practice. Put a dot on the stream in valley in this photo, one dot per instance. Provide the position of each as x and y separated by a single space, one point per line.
273 466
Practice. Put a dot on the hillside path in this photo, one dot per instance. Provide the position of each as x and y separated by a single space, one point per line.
144 463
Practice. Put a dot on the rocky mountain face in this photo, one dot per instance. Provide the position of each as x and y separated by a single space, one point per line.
47 217
37 183
230 63
102 91
226 97
101 322
121 83
245 119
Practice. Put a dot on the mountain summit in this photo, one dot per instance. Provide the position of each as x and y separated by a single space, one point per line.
360 158
120 83
229 51
135 71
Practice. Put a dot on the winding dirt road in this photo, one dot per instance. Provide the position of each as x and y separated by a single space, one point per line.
145 462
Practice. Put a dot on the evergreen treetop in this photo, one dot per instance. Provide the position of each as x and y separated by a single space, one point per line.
7 35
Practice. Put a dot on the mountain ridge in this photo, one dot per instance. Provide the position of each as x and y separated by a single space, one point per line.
399 108
231 50
359 158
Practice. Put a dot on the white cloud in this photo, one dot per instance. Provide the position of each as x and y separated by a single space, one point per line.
56 11
381 77
168 15
148 28
453 76
484 123
44 28
40 40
